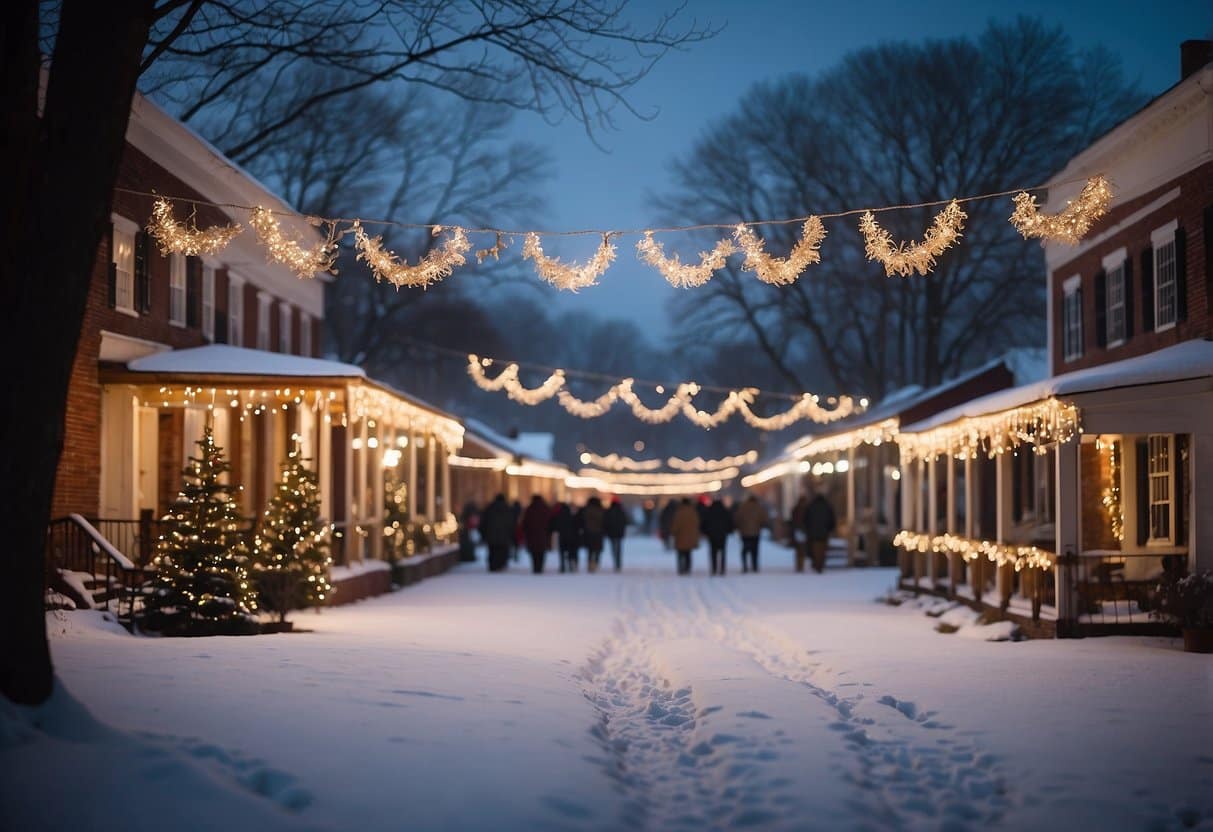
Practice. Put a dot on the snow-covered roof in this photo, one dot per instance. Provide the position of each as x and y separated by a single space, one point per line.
225 360
537 446
1188 360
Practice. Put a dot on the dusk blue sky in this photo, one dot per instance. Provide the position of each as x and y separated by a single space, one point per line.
596 189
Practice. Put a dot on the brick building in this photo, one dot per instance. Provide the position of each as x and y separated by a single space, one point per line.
1102 478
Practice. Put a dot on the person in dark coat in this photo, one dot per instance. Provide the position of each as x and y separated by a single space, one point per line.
796 531
665 522
516 511
615 525
568 537
537 532
497 530
717 526
593 515
819 524
468 523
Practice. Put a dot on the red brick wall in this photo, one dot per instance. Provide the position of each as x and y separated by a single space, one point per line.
1094 471
992 380
1196 195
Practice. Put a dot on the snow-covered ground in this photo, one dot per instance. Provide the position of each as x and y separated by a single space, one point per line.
639 700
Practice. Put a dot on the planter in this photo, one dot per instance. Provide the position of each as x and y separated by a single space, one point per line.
1198 640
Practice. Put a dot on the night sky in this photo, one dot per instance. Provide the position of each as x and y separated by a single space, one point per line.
691 89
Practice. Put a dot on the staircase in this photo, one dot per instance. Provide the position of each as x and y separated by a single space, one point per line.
85 570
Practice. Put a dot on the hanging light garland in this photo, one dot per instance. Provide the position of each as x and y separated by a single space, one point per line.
1111 493
658 416
566 275
905 259
1035 425
1070 224
1003 554
436 265
727 408
507 380
593 408
660 478
701 464
684 275
806 408
279 248
615 462
181 238
776 271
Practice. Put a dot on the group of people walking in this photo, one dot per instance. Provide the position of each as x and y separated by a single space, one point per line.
504 528
683 524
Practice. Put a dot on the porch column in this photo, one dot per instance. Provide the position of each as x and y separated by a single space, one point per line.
444 463
412 492
1004 483
971 522
852 519
950 518
324 460
1200 512
1066 523
932 513
431 476
375 472
359 513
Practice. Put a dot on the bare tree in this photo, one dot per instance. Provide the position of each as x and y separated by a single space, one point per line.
557 56
896 124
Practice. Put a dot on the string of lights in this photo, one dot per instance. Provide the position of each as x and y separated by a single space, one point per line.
1003 554
1069 225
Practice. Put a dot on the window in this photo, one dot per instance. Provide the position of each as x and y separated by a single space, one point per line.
1043 469
263 320
284 327
176 289
1165 302
1072 319
124 267
305 333
1161 477
1115 293
235 311
208 303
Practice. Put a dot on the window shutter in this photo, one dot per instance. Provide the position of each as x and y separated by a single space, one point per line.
1101 308
1128 296
1082 322
220 328
111 275
1147 290
143 280
193 290
1181 275
1143 492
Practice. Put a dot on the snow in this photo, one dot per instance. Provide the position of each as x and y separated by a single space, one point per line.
637 700
99 542
344 573
537 446
1187 360
223 359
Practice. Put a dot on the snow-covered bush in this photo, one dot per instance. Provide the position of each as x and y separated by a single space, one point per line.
1187 601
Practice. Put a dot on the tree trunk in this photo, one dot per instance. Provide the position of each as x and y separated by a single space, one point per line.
64 167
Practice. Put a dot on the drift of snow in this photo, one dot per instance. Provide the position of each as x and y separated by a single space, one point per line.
633 701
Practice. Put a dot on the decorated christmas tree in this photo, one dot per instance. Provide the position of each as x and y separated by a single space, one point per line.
290 551
201 583
397 530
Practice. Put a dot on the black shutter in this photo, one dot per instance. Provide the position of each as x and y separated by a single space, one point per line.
220 328
1147 290
1082 322
1128 296
1101 308
1181 275
1143 492
111 275
193 290
143 279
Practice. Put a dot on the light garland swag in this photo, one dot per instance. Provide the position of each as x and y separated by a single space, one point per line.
1037 425
736 401
1068 226
1003 554
617 463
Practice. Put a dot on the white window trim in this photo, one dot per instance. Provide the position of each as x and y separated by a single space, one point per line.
1115 260
1164 234
264 299
1160 237
285 319
1111 261
206 302
1152 541
126 226
1070 288
235 291
178 282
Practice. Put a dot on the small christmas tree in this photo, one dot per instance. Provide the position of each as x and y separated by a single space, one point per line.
290 551
397 530
201 583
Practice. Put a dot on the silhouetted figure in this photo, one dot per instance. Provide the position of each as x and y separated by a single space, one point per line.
516 540
615 526
593 515
665 522
684 529
497 530
750 518
796 530
717 526
469 521
819 524
537 532
568 536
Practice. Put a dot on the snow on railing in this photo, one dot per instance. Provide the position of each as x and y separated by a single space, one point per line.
101 544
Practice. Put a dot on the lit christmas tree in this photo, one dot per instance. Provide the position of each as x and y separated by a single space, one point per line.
201 583
397 530
290 551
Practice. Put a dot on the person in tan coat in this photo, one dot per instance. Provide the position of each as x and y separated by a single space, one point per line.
749 520
685 530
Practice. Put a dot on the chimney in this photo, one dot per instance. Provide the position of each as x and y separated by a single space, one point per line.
1193 55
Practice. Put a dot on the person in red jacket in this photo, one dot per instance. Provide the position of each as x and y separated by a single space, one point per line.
537 532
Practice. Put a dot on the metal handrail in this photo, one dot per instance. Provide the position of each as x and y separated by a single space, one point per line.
74 544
